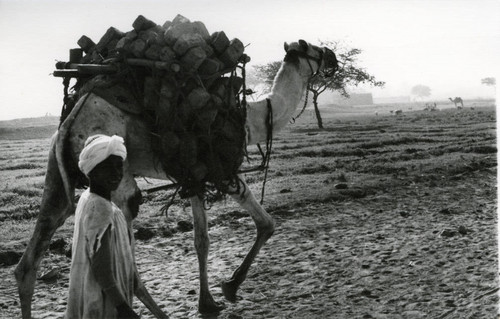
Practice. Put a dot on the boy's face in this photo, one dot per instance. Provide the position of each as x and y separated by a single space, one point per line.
108 173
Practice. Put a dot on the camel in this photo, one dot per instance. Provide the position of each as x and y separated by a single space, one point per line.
92 114
457 100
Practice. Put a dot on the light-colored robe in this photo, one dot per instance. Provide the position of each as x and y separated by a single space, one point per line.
94 214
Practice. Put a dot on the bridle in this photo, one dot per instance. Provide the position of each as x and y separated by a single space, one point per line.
293 52
308 58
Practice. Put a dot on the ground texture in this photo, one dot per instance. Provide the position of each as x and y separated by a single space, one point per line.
377 217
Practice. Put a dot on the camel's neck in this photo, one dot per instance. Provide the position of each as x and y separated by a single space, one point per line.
286 94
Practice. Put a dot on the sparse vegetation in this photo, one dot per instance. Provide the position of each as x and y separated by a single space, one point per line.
408 202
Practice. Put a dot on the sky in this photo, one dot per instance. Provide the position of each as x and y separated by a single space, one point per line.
447 45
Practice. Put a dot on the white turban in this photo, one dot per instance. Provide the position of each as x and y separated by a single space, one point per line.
98 148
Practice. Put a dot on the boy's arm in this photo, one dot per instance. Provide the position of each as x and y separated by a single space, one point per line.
105 277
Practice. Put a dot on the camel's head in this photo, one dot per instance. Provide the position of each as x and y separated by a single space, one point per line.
317 59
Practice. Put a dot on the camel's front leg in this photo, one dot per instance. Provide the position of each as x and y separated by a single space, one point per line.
265 228
206 303
54 209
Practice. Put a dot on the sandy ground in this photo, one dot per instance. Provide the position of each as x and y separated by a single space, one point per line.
411 250
435 257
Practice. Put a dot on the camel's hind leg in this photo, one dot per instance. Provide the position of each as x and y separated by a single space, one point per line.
54 210
265 228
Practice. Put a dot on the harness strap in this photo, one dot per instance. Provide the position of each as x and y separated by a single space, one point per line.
266 157
269 145
309 58
308 88
314 73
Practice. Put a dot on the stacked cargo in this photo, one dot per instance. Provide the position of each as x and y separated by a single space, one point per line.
186 81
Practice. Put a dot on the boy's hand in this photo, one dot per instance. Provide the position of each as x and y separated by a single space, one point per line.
125 312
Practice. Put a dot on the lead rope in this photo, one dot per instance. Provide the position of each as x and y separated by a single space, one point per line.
292 121
269 145
308 87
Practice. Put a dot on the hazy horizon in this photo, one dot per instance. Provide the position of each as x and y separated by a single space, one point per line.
446 45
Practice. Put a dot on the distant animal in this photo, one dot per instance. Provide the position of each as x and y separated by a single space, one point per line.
398 112
457 100
430 107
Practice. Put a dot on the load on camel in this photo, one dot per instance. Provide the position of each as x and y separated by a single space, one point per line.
173 93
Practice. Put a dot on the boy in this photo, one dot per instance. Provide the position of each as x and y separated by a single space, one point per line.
103 275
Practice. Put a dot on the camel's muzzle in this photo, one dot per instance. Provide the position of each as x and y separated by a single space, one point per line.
330 63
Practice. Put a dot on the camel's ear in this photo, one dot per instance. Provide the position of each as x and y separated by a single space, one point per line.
303 45
286 45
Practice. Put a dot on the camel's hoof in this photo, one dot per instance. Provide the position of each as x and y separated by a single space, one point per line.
229 290
211 308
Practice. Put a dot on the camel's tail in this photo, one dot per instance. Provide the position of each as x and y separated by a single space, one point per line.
61 145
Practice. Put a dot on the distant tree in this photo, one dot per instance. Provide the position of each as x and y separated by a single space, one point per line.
349 74
421 91
489 81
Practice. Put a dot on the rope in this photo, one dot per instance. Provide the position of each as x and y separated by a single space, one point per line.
269 145
132 77
308 88
244 88
164 209
68 103
314 73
